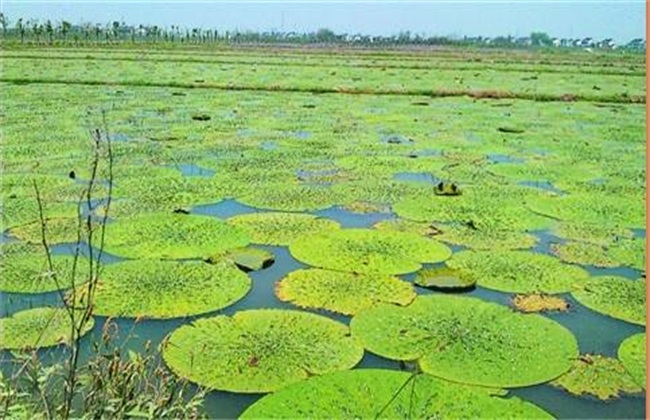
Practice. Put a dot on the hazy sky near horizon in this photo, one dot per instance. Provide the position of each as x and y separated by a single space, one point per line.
622 20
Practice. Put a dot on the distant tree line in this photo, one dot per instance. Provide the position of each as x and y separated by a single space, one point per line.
63 32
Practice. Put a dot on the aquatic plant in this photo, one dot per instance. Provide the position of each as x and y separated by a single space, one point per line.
486 237
467 340
632 353
368 251
408 226
25 270
539 302
171 236
378 393
583 253
518 271
599 234
259 350
346 293
246 259
600 376
444 279
37 328
289 197
57 230
280 228
167 289
617 297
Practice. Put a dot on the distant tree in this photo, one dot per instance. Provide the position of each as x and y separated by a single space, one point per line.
37 30
21 29
65 29
540 39
325 35
49 29
4 22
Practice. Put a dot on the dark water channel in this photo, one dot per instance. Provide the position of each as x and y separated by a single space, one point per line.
595 333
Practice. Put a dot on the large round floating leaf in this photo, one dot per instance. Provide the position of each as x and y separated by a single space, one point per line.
592 208
168 289
38 327
444 279
468 340
25 270
289 197
260 350
368 251
595 233
342 292
486 238
376 393
172 236
280 228
57 230
617 297
518 271
632 353
600 376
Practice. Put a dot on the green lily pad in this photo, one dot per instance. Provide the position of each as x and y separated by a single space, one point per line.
599 234
168 289
368 251
444 279
629 252
486 238
518 271
468 340
592 209
37 328
171 236
57 230
583 253
260 350
247 259
617 297
377 393
289 197
632 353
25 270
346 293
280 228
600 376
409 226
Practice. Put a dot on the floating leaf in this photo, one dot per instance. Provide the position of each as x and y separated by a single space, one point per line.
168 289
37 328
632 353
376 393
280 228
597 375
617 297
346 293
368 251
539 302
260 350
247 259
171 236
518 271
444 279
467 340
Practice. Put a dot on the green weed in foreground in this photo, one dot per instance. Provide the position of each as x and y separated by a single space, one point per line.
376 393
467 340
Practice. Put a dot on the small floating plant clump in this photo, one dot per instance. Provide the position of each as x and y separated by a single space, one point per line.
341 292
617 297
368 251
539 302
260 350
519 271
600 376
38 328
632 353
25 270
380 393
167 289
280 228
467 340
172 236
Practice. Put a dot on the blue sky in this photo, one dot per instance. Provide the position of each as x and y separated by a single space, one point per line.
618 19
